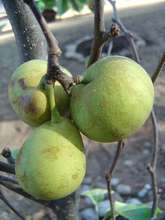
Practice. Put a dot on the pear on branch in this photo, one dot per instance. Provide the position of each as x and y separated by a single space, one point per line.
27 93
51 163
113 100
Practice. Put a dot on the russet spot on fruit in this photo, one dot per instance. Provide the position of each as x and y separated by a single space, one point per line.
113 100
28 96
51 164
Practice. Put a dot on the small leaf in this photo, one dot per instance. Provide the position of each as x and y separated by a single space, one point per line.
96 195
132 212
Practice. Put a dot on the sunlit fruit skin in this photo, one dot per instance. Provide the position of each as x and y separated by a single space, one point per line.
113 100
51 164
28 96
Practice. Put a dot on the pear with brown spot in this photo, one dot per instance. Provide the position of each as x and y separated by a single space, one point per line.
27 93
52 164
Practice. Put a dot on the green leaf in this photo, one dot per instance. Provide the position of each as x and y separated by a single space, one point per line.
96 195
132 212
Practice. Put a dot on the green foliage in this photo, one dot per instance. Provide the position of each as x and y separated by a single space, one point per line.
61 6
129 211
96 196
132 212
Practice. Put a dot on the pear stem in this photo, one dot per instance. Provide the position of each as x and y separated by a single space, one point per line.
55 115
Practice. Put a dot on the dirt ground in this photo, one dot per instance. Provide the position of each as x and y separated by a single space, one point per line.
149 24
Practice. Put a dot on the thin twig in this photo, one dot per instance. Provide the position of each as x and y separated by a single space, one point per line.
99 28
153 164
8 179
8 168
3 198
100 35
18 190
54 71
128 34
158 69
109 174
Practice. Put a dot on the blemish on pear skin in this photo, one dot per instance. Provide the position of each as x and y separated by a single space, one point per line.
75 176
29 107
22 83
51 152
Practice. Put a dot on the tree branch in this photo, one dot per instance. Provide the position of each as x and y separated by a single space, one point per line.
54 71
8 168
109 174
159 68
3 198
153 164
100 35
30 40
128 34
15 188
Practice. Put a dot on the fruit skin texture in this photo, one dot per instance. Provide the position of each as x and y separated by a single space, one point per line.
51 164
113 100
28 96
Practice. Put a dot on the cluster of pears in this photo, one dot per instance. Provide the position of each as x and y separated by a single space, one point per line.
112 101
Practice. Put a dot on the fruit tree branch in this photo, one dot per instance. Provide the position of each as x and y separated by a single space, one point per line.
153 164
30 40
3 198
109 174
129 35
8 168
100 35
54 71
15 188
159 68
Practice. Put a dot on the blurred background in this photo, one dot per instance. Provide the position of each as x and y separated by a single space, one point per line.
131 180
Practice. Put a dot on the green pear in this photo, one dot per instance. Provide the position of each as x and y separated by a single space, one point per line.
113 100
27 94
51 163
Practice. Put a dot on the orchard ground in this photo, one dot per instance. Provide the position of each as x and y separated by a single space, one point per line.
148 22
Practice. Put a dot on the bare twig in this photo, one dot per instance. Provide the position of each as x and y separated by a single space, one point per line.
54 71
152 166
159 68
109 174
53 47
3 198
8 168
99 28
128 34
100 35
8 179
15 188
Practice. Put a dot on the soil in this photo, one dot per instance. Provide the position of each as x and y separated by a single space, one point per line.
149 24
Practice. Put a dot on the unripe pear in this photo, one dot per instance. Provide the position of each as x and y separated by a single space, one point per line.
51 164
113 100
27 94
